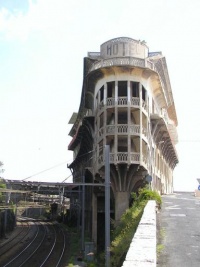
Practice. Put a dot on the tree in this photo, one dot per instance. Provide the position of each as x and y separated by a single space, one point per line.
1 167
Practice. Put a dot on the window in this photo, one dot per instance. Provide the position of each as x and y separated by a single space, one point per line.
122 144
101 93
122 117
135 89
143 93
110 89
122 88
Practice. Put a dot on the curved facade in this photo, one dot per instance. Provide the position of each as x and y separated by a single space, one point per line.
126 103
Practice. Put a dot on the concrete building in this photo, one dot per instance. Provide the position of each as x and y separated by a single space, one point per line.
126 103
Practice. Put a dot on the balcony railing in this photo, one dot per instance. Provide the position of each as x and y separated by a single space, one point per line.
110 101
135 101
123 101
122 129
135 129
121 157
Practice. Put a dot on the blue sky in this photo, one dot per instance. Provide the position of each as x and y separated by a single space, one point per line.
42 45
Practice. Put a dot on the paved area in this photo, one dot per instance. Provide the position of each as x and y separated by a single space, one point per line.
178 229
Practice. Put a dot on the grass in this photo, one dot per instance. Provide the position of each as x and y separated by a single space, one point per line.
123 233
159 248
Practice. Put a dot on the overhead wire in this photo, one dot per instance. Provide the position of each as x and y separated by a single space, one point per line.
55 166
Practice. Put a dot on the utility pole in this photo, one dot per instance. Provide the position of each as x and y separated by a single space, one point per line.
107 205
83 216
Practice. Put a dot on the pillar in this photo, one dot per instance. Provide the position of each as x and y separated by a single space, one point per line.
94 218
121 204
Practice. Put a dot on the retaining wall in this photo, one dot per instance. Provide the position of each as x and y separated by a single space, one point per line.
142 250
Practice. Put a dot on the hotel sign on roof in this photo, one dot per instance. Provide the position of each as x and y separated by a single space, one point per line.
124 47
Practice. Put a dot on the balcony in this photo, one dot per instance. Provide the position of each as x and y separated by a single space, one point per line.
122 102
121 157
119 61
121 129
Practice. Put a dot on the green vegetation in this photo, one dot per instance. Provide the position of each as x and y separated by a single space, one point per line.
160 247
2 186
124 232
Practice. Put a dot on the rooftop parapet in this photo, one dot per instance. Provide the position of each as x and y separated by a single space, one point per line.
124 47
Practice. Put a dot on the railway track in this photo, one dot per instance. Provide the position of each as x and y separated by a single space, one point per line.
43 245
16 237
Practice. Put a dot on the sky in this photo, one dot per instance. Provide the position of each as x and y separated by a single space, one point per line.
42 46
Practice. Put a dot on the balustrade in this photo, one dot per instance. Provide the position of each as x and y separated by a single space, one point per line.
122 101
121 157
110 101
119 61
124 157
135 101
135 157
121 129
135 129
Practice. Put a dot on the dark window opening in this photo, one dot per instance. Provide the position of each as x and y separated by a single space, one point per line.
101 93
110 118
110 89
101 120
122 118
135 89
143 93
122 88
122 145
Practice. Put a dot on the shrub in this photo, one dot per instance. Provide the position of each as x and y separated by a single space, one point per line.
145 194
124 232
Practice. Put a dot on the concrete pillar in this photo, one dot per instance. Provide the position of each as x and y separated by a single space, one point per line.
129 123
105 94
116 121
121 204
94 218
140 95
105 114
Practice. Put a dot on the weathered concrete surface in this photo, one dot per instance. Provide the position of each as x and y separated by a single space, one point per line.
142 251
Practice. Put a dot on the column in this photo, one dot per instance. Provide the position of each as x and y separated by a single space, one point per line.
121 204
105 115
94 218
140 114
116 121
129 122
